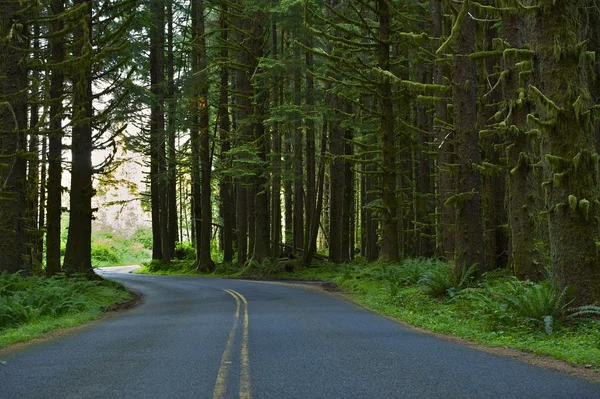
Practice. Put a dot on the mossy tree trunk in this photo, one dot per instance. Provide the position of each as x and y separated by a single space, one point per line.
520 193
493 178
445 148
14 254
572 190
389 241
467 201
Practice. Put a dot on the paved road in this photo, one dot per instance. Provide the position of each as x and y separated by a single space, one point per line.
208 338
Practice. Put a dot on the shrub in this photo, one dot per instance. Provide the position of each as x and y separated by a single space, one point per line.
104 255
513 302
184 251
144 237
442 279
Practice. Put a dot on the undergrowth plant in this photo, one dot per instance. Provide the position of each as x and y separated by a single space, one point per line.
512 302
28 299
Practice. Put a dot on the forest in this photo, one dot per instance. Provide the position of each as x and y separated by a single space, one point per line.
465 131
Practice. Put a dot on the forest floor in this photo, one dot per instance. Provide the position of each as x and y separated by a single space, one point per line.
473 316
34 309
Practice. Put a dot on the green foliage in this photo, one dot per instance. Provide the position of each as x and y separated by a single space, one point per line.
268 267
112 249
443 279
175 267
524 303
30 299
184 251
104 254
144 237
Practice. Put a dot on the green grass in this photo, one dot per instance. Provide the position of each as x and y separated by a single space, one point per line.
31 307
498 311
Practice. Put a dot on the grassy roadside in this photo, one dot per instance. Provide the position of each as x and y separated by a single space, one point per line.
498 311
32 307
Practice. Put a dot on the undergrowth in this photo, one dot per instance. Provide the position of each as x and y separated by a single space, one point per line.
39 301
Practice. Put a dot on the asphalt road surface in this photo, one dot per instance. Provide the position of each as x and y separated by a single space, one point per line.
210 338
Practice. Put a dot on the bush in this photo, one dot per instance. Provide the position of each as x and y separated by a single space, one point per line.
442 279
143 237
104 255
184 251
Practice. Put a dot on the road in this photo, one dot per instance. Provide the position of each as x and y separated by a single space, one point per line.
211 338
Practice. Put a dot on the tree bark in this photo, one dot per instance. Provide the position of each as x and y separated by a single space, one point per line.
156 121
173 227
467 201
445 148
226 184
14 256
389 241
572 190
519 160
262 236
78 253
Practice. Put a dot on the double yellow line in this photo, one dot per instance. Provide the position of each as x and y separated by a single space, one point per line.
221 383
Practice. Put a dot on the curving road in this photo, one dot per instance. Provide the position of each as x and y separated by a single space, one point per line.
210 338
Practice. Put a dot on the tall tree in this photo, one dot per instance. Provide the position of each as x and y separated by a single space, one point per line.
78 253
55 140
204 260
226 193
14 254
389 245
571 161
467 201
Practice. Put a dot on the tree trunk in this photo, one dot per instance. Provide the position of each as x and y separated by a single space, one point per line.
78 254
226 183
572 189
347 245
195 132
14 255
156 55
173 227
518 156
298 161
389 241
262 236
493 180
276 152
33 171
204 260
445 148
54 182
467 201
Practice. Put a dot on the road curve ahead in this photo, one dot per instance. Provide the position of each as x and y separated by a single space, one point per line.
210 338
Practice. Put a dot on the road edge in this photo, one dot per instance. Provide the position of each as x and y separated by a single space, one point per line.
539 360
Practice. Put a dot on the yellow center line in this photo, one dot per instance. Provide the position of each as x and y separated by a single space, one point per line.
221 383
245 389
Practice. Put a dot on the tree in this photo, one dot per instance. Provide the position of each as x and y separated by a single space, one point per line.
14 254
78 253
571 162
